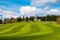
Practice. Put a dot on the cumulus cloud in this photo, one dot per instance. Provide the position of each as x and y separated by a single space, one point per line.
55 11
33 11
41 2
27 10
50 12
8 14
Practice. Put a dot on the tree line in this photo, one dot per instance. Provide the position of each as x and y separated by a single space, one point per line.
31 18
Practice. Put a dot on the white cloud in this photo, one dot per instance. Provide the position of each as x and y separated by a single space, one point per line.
27 10
8 14
32 11
50 12
55 11
41 2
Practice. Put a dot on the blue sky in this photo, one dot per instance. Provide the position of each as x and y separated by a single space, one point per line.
15 6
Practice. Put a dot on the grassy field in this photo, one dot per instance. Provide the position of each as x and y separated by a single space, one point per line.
30 31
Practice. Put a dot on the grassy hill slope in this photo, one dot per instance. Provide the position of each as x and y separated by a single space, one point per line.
30 31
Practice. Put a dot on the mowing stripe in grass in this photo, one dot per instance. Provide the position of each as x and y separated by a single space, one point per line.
43 29
23 30
8 28
5 26
56 30
16 33
43 34
14 30
34 29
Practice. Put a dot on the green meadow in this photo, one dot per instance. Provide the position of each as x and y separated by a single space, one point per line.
35 30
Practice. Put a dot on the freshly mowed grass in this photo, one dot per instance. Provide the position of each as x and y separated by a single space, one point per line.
35 30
